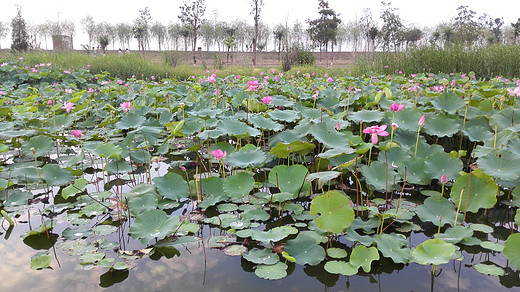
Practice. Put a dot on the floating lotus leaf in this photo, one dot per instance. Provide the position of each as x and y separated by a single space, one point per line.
456 234
265 124
53 174
255 215
442 126
227 207
394 246
439 163
94 209
220 241
362 256
239 185
353 236
492 246
491 270
18 198
78 186
336 253
235 250
103 230
504 165
271 272
511 250
142 203
172 186
327 134
285 115
238 129
247 158
41 145
435 207
262 256
281 197
272 235
89 258
41 261
335 213
366 116
283 150
342 268
448 101
130 120
434 252
72 234
305 250
289 179
153 224
482 192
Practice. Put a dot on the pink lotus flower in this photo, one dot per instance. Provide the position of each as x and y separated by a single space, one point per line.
375 131
330 79
211 79
76 133
252 85
218 154
444 179
126 106
395 126
395 107
50 102
421 120
438 88
68 106
338 126
267 99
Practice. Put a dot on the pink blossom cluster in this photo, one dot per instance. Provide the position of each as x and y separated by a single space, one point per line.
376 131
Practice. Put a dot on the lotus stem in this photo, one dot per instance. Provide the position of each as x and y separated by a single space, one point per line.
458 207
417 142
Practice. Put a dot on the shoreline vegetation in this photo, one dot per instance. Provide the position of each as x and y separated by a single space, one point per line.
486 62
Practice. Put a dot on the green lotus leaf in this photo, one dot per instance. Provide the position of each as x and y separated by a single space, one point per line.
54 175
491 270
434 252
94 209
415 171
235 250
289 179
366 116
362 256
72 234
142 203
41 261
130 120
353 236
281 197
511 250
285 115
448 101
408 119
172 186
323 177
41 145
175 128
238 185
440 163
206 113
283 150
89 258
441 126
109 150
103 230
456 234
261 256
329 136
272 235
17 133
153 224
478 133
305 250
227 207
18 198
271 272
505 119
336 253
247 158
335 213
492 246
504 165
150 134
482 192
78 186
255 215
481 227
334 152
238 129
394 246
342 268
220 241
265 124
280 100
434 208
376 173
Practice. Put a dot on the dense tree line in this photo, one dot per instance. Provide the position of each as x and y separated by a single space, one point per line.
195 30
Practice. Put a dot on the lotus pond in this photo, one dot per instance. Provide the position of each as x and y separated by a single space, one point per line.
272 182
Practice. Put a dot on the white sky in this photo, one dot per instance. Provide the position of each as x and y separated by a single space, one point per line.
424 13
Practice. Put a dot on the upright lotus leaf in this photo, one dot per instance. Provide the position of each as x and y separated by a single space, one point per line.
175 128
482 191
289 179
335 213
503 165
172 186
442 126
512 250
109 150
142 203
262 256
491 270
415 171
153 224
439 163
435 207
363 257
456 234
247 158
376 173
255 215
78 186
366 116
206 113
283 150
130 121
265 124
41 145
505 119
448 101
239 129
150 133
478 133
271 272
408 119
434 252
305 250
284 115
335 152
238 185
271 235
394 246
54 175
323 177
329 136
